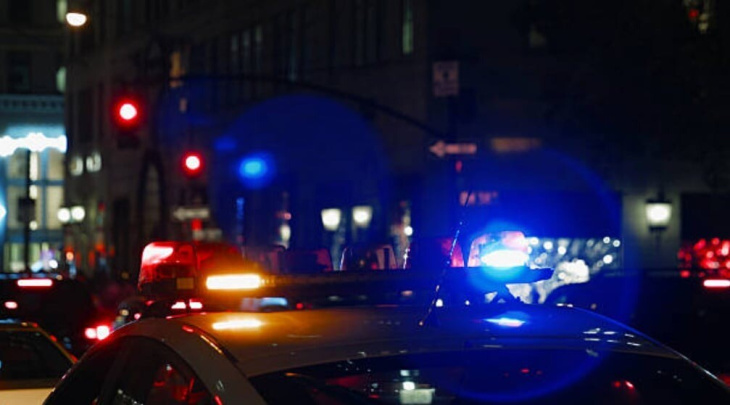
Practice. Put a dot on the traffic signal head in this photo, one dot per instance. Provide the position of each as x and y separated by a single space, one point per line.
127 113
192 164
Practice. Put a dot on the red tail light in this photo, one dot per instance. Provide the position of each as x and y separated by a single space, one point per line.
99 332
11 305
35 282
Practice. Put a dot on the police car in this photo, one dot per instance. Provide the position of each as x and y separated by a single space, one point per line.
458 337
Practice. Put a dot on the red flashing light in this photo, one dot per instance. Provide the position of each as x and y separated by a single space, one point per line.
99 332
35 283
155 253
684 273
192 164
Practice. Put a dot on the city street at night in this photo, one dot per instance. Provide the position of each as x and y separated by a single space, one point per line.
364 201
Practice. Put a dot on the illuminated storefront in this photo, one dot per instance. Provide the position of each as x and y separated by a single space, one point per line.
32 153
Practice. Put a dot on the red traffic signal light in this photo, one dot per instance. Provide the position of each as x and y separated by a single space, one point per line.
127 113
192 164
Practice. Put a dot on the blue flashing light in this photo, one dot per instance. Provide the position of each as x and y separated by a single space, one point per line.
509 319
505 258
256 170
506 322
253 168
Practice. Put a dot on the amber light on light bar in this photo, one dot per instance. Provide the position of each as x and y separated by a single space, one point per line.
35 282
233 282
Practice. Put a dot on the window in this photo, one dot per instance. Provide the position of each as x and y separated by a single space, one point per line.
19 12
29 355
235 67
359 36
309 40
124 16
85 385
258 55
54 201
246 63
366 26
526 376
407 27
61 9
156 375
85 128
294 34
19 72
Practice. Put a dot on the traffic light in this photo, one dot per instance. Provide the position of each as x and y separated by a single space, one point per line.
192 164
128 115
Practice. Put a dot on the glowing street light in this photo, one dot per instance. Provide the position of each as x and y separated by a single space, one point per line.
658 214
362 215
331 218
76 19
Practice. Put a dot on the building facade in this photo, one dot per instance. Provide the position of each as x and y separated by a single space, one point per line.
366 106
32 134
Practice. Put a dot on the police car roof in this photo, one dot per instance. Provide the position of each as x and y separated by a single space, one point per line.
268 342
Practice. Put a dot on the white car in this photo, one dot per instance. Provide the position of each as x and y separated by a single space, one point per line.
506 352
31 363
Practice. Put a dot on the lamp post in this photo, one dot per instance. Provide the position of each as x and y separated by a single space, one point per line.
658 215
69 216
331 220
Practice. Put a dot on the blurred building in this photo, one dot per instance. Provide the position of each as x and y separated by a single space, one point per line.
323 121
32 133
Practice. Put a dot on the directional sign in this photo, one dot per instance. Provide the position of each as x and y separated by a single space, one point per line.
442 148
191 212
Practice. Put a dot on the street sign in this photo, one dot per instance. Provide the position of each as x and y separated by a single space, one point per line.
191 212
446 79
442 148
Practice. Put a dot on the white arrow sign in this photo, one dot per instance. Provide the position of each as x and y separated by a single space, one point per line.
442 149
185 213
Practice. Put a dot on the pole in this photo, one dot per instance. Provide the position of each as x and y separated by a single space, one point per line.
27 214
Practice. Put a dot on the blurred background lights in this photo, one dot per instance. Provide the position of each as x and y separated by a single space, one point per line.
362 215
331 218
78 213
64 215
408 230
76 19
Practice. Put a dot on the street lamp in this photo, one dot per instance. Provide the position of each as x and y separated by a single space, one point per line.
76 19
362 215
658 213
331 218
71 215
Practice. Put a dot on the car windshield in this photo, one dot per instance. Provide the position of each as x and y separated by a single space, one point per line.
29 355
534 376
